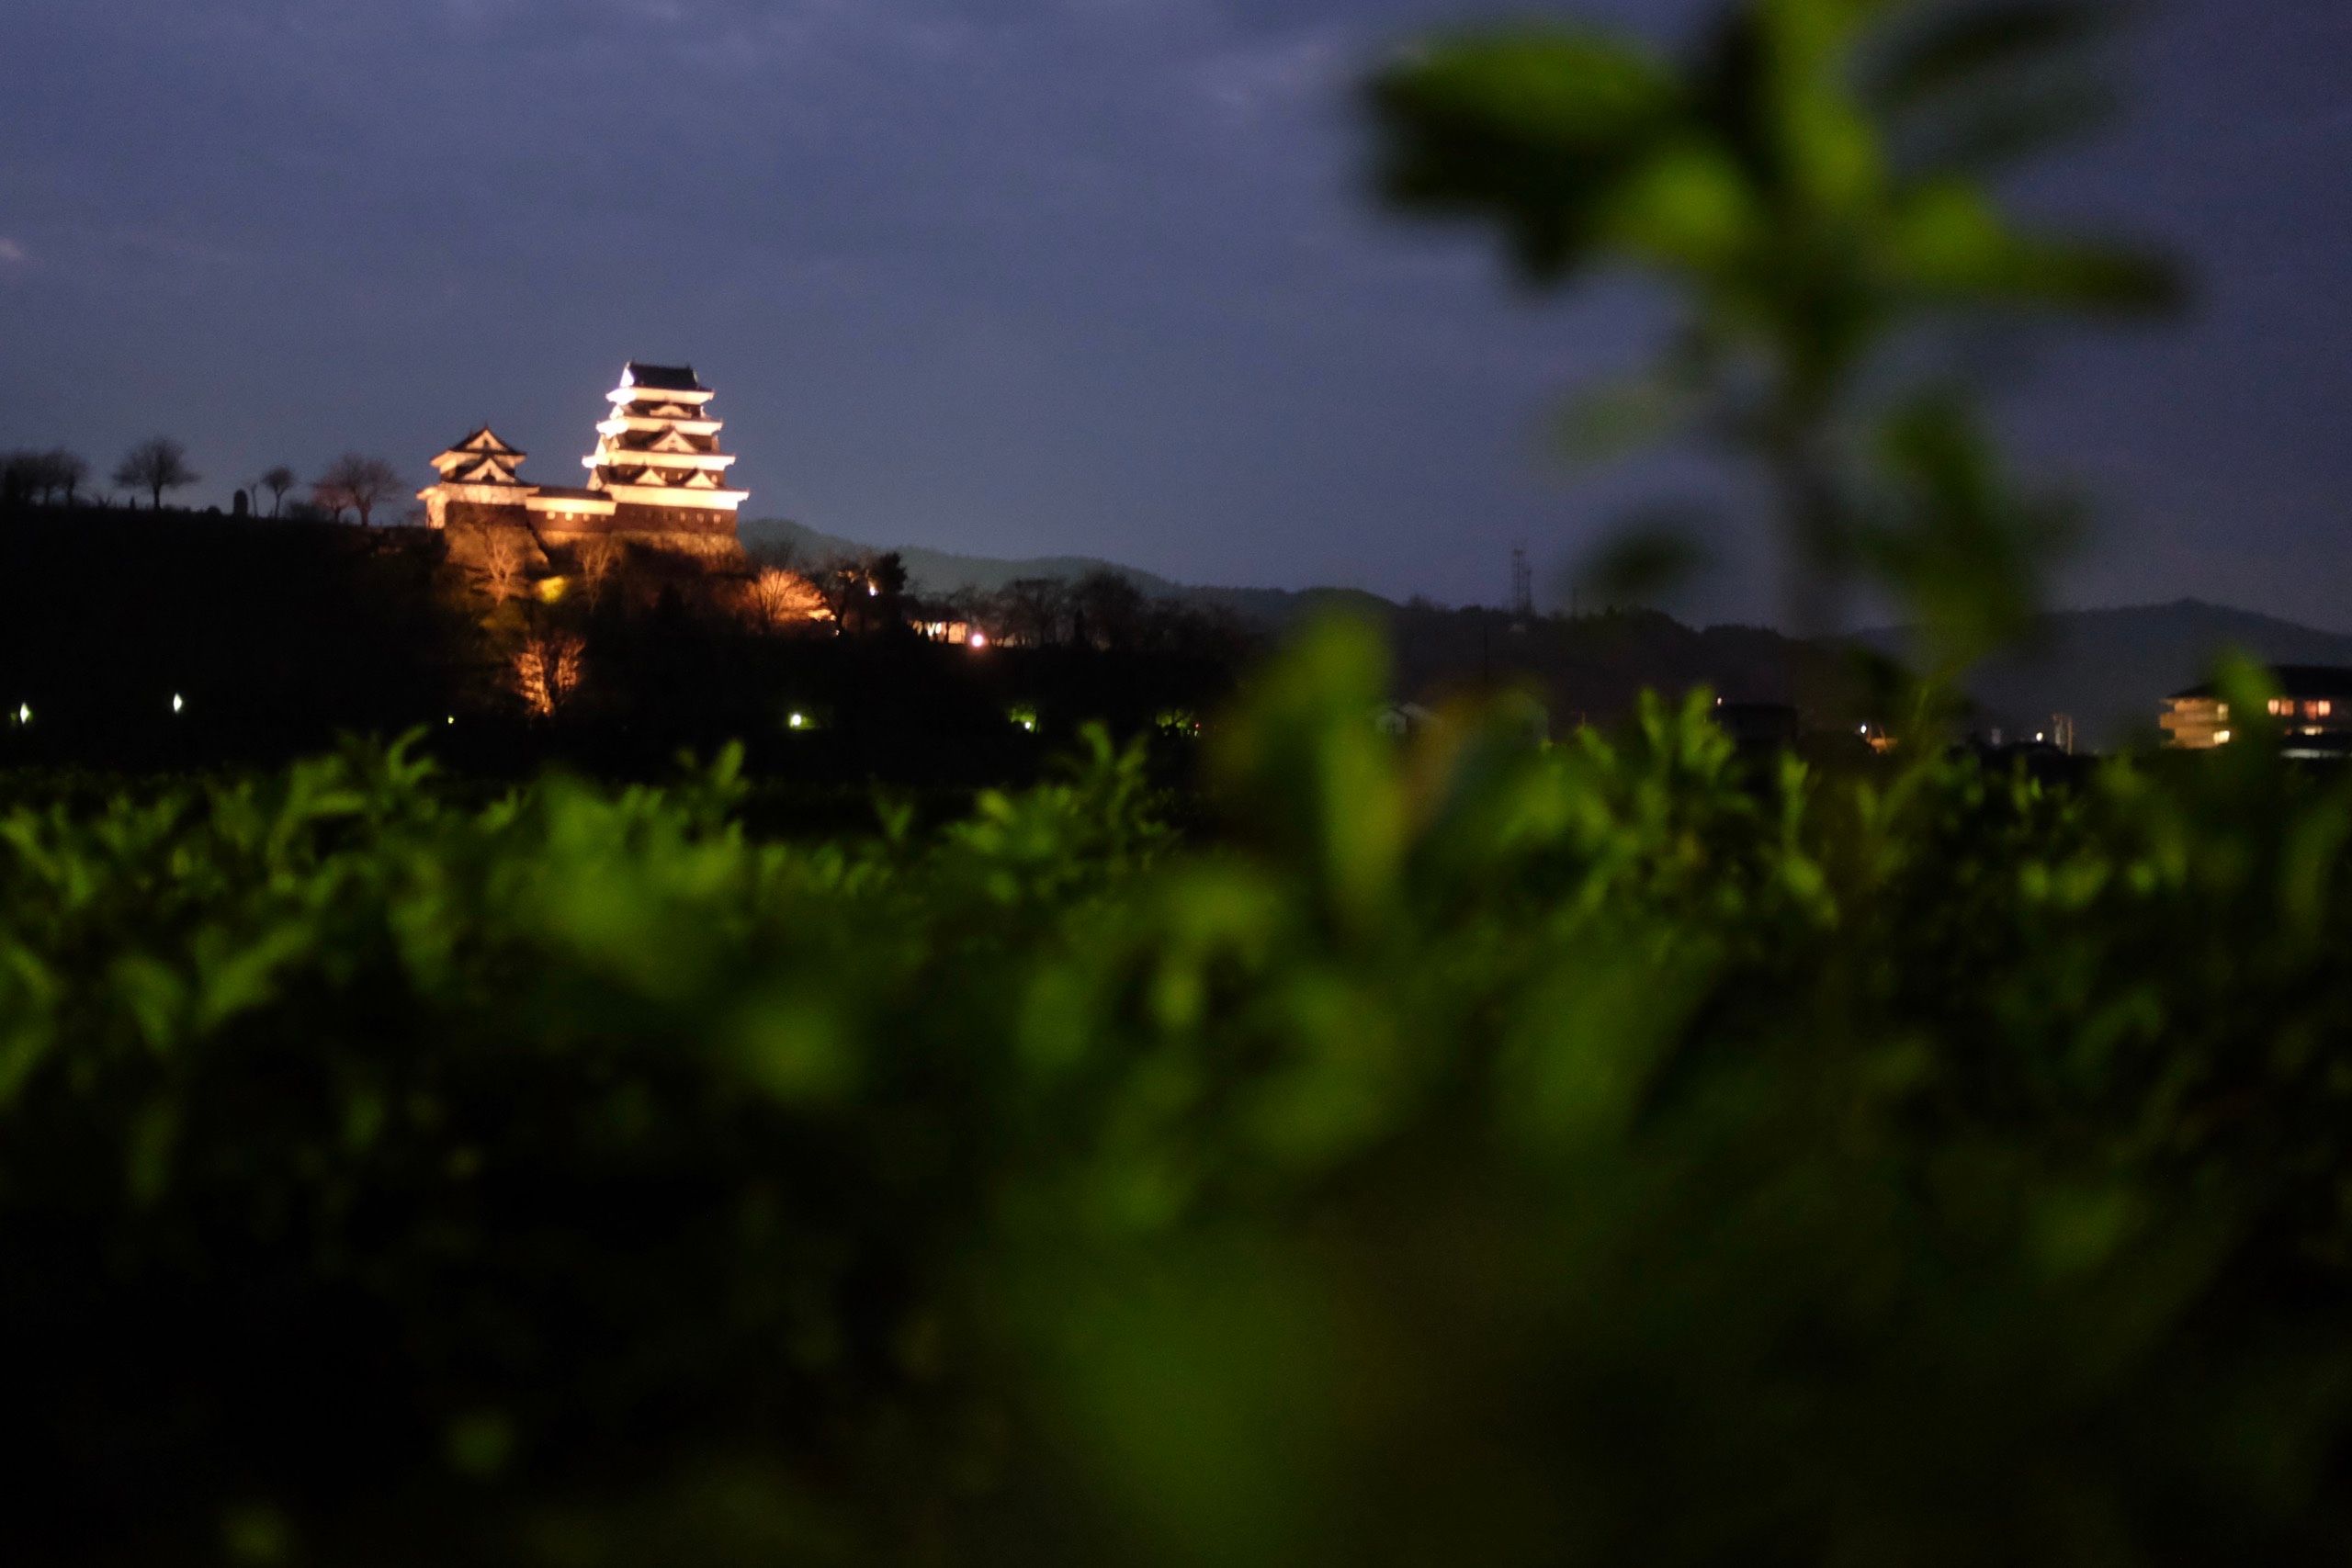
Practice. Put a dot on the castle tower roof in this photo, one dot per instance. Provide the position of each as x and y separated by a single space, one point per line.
481 458
661 377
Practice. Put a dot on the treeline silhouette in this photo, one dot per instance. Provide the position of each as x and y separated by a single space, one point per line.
155 467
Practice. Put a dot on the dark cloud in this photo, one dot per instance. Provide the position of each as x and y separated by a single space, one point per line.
1022 275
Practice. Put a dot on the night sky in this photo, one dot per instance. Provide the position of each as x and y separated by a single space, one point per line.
1028 277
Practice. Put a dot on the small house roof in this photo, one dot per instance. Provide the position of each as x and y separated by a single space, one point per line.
661 377
2300 682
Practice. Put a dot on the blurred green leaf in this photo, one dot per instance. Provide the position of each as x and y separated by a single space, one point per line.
1531 127
1646 560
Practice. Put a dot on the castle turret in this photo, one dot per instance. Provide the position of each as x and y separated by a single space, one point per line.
477 471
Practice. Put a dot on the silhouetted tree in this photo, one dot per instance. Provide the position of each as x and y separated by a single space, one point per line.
156 465
20 478
1033 609
845 584
54 474
357 482
1109 609
278 481
31 477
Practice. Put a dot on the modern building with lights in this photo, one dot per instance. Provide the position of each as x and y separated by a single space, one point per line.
2312 704
657 479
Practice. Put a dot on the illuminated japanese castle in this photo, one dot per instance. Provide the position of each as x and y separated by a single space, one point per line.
657 478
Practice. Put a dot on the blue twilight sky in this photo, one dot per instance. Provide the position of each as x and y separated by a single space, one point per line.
1019 276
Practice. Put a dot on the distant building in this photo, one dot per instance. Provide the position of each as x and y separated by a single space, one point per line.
2313 704
935 621
656 479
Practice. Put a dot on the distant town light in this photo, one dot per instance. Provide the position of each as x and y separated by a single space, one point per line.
177 704
24 712
2221 738
451 720
798 721
980 640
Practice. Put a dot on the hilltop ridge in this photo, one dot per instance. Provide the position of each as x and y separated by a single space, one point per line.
2111 668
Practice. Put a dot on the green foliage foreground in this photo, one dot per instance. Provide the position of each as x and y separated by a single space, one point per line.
1479 1155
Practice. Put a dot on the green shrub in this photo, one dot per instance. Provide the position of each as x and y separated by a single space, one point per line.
1472 1153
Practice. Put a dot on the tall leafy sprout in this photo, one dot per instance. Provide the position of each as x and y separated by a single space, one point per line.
1813 184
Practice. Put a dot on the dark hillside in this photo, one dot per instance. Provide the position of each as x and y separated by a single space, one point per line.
172 639
1592 668
279 634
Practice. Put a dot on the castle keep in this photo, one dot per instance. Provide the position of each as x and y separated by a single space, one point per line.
657 480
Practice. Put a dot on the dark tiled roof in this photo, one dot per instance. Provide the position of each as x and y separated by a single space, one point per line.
2298 680
663 377
495 446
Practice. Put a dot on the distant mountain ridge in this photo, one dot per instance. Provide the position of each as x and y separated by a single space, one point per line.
2110 668
943 572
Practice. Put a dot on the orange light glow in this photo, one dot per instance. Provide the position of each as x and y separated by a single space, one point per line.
547 671
781 598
